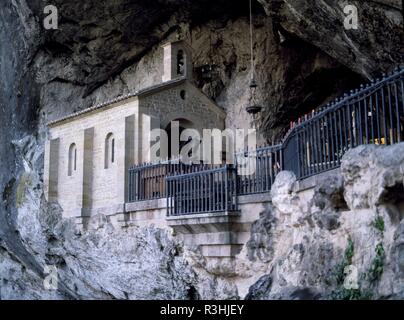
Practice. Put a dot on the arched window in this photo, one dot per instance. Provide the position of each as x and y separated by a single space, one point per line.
109 150
72 161
180 62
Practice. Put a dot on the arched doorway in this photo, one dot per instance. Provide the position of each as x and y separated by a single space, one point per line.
183 124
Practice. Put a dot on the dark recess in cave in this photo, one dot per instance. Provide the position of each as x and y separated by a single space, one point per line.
319 88
307 86
394 194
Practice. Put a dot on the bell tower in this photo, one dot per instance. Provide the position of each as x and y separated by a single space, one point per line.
177 61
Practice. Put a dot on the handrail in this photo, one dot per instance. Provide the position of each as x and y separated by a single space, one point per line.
206 191
191 174
373 113
339 102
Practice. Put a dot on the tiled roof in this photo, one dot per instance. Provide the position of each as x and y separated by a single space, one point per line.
102 105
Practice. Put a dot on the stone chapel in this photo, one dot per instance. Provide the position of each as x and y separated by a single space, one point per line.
88 153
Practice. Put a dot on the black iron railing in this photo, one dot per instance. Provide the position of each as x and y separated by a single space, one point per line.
258 168
212 190
147 181
373 114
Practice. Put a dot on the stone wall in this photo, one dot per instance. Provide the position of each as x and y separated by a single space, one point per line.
168 105
92 186
217 235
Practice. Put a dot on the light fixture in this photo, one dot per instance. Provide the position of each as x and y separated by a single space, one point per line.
253 108
209 70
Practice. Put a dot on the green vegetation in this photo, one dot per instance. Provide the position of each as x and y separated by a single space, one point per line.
378 224
373 274
377 267
338 273
351 294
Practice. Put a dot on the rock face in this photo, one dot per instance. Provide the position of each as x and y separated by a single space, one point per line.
103 50
376 178
367 51
348 227
397 257
105 263
313 244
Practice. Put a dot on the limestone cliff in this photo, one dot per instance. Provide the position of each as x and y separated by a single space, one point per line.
104 49
349 226
305 245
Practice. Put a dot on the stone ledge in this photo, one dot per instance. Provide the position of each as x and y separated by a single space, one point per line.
205 215
254 198
108 211
311 182
146 205
206 223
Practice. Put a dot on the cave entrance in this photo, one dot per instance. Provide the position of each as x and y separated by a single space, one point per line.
308 94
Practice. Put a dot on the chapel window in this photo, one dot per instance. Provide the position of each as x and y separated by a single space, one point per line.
72 159
109 150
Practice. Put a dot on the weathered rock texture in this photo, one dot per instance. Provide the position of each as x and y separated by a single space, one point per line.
103 49
351 219
374 47
373 176
298 249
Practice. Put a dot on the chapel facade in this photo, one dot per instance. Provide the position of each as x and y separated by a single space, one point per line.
88 153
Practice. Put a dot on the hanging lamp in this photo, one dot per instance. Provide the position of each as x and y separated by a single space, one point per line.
253 108
209 69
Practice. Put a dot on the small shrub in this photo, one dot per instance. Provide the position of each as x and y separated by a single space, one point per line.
339 274
349 251
377 267
339 270
378 223
351 294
